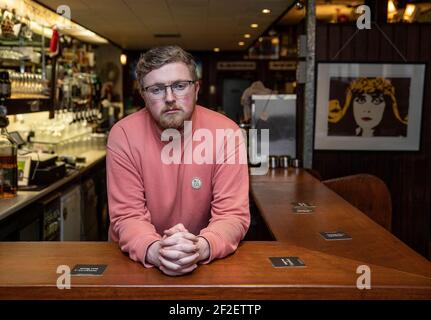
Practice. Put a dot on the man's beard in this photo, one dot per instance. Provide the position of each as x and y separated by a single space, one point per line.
172 120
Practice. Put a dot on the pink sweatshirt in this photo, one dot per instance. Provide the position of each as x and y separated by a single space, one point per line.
147 196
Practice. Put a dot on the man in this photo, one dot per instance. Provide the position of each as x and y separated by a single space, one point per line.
174 216
256 87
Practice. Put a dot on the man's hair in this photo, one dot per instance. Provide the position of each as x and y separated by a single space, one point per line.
156 58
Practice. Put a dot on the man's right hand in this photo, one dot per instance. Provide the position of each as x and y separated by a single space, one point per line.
178 253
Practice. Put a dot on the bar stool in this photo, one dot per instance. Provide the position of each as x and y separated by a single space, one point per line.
366 192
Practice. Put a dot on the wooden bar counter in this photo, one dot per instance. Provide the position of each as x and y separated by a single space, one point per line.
28 269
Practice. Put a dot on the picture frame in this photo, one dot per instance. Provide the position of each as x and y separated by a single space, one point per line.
369 106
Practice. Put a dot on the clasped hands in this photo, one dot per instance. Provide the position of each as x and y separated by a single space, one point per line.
178 252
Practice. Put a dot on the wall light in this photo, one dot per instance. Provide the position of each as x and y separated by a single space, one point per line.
241 43
409 12
391 7
216 49
254 25
123 59
247 35
266 11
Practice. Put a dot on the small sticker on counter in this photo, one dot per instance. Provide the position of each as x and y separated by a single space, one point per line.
302 207
286 262
335 235
88 269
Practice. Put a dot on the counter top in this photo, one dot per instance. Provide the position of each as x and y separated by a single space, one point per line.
397 272
24 198
371 243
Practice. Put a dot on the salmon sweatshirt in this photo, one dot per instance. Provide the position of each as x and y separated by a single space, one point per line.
157 179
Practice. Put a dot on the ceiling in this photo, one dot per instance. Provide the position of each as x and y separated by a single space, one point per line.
200 24
325 10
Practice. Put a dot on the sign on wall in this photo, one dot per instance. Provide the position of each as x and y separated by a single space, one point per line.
236 65
282 65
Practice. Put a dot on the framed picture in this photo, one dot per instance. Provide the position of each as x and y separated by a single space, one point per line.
369 106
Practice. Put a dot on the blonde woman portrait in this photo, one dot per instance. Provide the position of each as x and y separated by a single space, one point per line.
368 107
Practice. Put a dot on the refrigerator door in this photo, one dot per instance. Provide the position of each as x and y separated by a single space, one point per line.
70 222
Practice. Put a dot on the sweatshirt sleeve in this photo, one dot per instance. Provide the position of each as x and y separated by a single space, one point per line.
129 215
230 212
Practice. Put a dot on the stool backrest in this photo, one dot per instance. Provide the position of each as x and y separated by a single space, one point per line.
366 192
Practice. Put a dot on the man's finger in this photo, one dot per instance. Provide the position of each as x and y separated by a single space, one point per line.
186 261
183 247
169 264
178 273
178 237
173 254
177 228
172 231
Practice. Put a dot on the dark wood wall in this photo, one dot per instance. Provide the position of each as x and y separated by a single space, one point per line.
407 174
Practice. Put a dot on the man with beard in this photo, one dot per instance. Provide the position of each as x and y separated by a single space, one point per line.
174 216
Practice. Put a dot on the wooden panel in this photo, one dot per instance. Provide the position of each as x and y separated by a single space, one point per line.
387 51
348 36
321 43
399 41
360 45
422 185
334 40
250 275
373 51
413 42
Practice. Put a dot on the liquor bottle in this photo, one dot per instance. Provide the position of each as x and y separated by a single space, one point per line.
8 162
5 85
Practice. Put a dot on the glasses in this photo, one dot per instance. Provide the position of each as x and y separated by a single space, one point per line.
179 89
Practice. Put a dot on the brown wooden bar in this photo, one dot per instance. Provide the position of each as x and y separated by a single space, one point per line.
28 269
370 242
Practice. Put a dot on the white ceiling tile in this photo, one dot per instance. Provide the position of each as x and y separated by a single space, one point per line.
203 24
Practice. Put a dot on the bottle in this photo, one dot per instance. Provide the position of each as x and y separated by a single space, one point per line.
8 162
5 85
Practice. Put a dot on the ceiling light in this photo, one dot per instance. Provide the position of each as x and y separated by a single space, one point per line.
266 11
409 12
254 25
300 4
123 59
216 49
241 43
391 7
247 35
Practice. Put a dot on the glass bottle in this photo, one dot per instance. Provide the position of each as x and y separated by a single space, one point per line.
5 85
8 162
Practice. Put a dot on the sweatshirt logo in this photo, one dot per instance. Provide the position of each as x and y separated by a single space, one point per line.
196 183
